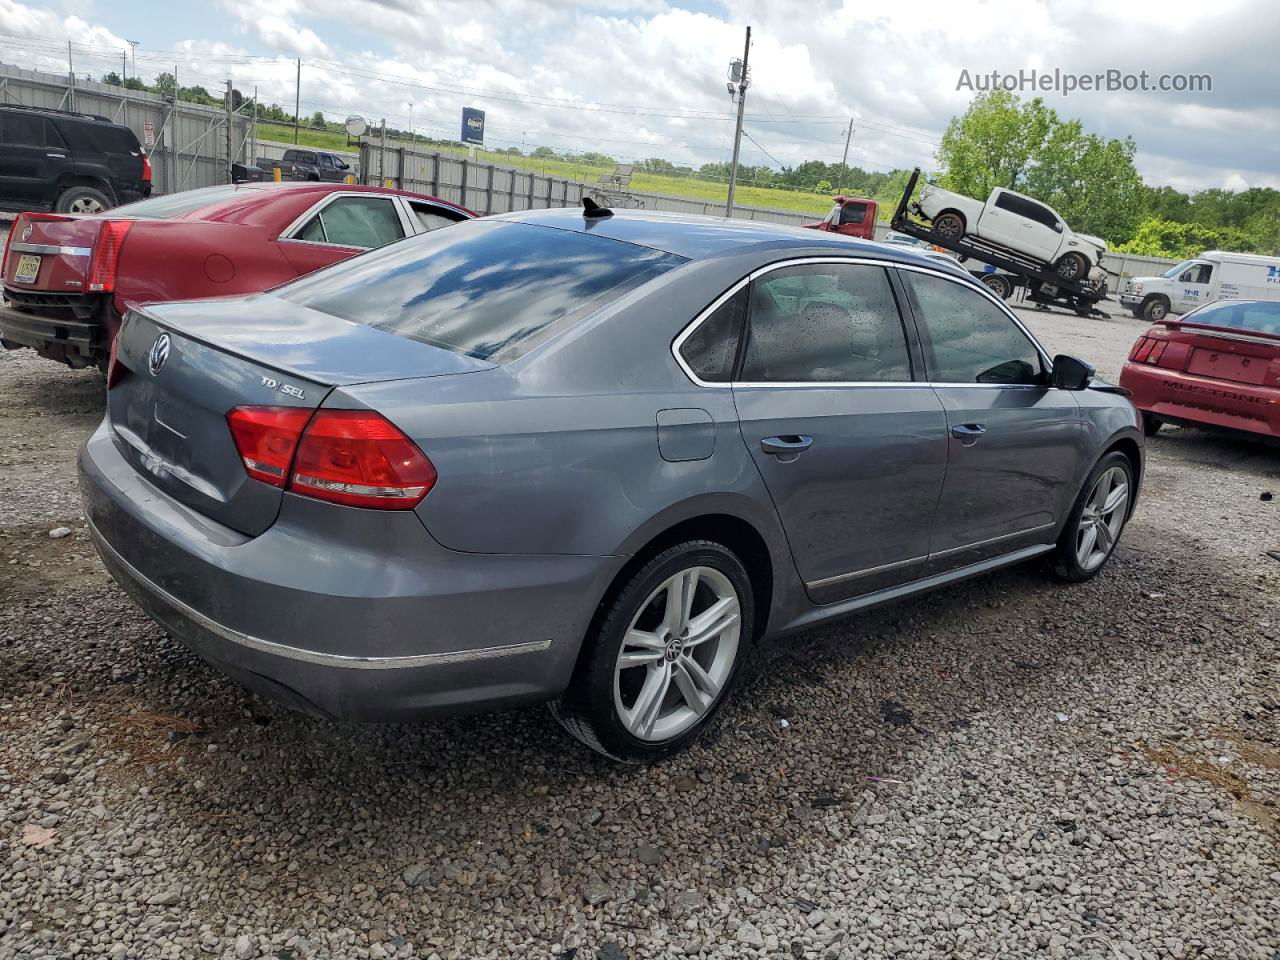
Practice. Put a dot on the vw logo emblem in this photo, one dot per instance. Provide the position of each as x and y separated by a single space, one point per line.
26 233
159 354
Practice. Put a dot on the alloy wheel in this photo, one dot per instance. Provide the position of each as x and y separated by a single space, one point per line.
1102 518
678 654
86 205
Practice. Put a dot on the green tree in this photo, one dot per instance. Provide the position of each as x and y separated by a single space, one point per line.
112 78
993 143
317 120
1166 238
165 84
822 186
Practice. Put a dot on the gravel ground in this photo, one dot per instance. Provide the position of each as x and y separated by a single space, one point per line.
1007 768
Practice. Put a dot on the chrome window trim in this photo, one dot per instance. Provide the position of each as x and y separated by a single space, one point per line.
297 653
979 289
299 222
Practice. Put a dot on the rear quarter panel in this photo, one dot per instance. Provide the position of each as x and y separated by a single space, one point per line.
184 260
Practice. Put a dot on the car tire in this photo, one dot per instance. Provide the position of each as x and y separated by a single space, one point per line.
1151 424
1072 268
1137 312
1155 310
999 285
949 225
82 200
644 660
1096 520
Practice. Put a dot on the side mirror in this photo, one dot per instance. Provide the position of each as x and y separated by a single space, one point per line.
1057 227
1070 373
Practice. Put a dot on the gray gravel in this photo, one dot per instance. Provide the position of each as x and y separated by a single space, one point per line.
1007 768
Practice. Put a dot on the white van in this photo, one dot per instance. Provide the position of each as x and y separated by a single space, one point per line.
1215 275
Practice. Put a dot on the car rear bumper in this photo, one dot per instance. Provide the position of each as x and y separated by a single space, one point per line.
76 341
349 613
1173 395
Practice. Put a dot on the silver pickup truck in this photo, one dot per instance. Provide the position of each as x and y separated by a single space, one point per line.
1016 223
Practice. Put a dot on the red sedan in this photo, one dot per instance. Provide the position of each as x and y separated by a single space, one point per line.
1217 366
67 279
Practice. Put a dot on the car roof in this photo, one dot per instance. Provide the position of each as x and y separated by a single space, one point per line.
271 190
702 238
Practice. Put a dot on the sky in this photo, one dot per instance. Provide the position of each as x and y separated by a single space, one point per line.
646 78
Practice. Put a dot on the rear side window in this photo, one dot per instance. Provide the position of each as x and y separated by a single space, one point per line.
825 323
433 218
490 290
1260 317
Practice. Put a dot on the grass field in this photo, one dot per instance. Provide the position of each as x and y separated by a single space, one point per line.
689 188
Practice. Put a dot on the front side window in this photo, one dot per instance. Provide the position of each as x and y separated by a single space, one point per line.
825 322
365 222
1199 273
967 338
712 348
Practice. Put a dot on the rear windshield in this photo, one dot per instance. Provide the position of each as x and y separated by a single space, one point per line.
490 290
177 204
1240 315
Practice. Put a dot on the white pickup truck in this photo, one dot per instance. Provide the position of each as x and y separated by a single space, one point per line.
1016 223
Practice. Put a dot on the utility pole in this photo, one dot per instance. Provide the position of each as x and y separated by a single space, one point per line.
411 120
133 56
230 133
297 101
737 132
124 73
71 79
844 164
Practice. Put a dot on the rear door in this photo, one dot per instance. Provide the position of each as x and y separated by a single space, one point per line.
1014 443
851 446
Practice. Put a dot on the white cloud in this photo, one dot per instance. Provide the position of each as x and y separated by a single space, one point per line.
636 78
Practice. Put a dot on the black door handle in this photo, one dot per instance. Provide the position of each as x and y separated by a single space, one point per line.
787 447
968 433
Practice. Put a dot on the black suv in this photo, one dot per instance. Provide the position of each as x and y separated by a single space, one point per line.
68 162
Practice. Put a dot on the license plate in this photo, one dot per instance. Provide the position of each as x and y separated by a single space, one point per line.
27 270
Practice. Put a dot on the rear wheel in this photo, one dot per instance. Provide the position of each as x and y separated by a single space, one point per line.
998 284
663 656
1072 267
1151 425
82 200
1096 521
949 225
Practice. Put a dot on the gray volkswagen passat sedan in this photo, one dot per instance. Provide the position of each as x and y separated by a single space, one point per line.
584 459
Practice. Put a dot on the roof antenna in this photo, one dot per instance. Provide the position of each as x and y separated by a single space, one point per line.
593 211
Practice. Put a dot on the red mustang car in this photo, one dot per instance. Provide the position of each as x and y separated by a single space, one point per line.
1218 365
67 279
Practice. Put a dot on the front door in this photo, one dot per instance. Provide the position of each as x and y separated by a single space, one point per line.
850 445
1014 442
1191 289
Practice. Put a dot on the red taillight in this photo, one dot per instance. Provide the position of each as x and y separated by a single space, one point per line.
106 255
1157 351
1141 349
146 168
266 438
360 459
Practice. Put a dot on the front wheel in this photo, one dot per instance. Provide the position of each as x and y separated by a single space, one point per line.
663 654
1155 310
1096 520
949 226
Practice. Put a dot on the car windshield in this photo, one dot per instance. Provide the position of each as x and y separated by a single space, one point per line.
1260 317
490 290
177 204
1174 271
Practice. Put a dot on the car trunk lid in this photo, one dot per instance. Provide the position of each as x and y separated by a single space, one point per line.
182 367
1232 354
51 253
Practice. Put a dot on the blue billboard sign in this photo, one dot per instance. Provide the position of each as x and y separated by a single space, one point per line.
472 125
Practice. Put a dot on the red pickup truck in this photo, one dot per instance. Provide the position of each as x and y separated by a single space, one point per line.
851 216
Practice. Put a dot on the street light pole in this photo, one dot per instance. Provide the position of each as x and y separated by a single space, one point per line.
411 120
844 164
737 131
